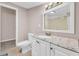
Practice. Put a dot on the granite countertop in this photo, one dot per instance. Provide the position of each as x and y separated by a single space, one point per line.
67 43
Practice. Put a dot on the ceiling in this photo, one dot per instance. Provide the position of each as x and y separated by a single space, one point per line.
28 5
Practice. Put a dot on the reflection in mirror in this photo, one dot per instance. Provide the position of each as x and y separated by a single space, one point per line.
58 23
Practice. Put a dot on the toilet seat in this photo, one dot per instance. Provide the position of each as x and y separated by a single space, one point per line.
24 43
25 46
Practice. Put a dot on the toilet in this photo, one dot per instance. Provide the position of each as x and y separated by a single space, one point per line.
25 46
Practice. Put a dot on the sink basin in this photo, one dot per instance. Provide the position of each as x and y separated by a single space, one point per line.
44 37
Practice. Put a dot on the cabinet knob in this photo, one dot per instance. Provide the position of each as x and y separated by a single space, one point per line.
51 48
37 41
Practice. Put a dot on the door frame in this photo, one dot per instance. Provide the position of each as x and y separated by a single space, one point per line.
16 9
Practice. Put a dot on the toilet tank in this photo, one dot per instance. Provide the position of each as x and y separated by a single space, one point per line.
30 37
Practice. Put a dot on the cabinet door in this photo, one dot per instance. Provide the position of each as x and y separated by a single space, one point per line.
52 52
35 48
59 53
56 51
64 52
40 48
45 48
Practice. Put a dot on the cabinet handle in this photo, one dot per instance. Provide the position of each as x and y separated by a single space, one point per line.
37 41
51 48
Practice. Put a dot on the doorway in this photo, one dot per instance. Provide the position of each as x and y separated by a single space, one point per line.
8 27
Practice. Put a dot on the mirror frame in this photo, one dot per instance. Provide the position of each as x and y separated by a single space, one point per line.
72 19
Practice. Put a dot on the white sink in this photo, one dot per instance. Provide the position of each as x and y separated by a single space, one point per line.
44 37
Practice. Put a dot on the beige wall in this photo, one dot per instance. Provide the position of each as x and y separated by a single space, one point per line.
35 18
22 23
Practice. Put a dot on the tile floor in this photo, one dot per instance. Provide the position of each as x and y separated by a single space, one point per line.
10 48
7 45
15 52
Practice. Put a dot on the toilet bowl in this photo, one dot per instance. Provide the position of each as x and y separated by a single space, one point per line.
25 46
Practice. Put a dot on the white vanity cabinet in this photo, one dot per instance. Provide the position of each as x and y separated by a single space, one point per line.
40 48
35 48
45 48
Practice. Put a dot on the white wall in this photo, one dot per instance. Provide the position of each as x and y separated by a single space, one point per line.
23 25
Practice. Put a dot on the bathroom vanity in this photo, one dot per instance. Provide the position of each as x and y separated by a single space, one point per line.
56 19
48 46
59 18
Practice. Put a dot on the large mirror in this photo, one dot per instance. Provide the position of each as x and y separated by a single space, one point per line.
60 18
